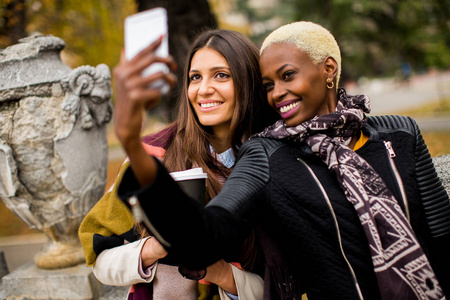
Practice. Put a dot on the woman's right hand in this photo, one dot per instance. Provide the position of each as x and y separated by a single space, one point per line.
151 252
132 94
133 98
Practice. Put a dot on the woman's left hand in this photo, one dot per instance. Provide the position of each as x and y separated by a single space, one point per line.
151 252
221 274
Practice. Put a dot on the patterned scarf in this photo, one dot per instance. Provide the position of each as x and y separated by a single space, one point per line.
401 267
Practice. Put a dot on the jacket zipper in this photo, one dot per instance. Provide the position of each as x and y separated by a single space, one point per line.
391 154
336 224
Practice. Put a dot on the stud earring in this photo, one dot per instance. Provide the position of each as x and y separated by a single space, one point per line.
330 83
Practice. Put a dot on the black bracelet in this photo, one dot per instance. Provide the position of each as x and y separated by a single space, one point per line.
192 274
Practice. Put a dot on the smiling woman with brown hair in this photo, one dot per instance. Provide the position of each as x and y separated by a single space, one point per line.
350 206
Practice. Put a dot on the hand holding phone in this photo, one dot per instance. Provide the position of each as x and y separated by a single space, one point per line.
141 30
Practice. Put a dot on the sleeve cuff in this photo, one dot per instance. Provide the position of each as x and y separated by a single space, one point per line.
147 272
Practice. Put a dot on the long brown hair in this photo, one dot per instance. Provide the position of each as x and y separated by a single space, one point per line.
191 142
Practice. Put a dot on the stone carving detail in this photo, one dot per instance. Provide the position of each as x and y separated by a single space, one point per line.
53 148
86 97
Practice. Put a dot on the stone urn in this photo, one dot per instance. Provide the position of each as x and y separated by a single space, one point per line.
53 147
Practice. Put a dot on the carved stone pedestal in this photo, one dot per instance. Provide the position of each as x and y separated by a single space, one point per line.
53 147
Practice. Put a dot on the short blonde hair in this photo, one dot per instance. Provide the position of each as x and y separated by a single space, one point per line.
309 37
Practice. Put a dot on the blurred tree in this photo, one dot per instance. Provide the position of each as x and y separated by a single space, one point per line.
92 30
12 21
376 37
186 20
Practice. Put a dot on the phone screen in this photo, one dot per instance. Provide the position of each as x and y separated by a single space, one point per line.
141 30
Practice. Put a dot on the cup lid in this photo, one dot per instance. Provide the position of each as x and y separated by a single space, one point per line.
194 173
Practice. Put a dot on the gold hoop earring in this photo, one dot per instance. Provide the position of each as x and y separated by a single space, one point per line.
330 84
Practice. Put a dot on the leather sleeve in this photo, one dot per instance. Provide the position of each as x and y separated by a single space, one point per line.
434 197
200 236
247 181
436 206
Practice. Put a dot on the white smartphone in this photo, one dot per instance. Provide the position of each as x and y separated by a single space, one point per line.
141 30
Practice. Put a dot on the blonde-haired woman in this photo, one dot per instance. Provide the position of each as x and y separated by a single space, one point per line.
350 206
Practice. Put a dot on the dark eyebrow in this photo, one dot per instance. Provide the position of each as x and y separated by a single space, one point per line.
279 69
282 67
211 69
218 68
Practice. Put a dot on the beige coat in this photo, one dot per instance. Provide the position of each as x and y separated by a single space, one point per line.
119 266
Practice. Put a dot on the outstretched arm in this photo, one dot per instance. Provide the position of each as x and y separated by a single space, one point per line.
133 98
200 236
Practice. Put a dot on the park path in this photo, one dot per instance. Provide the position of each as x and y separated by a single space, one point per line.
389 96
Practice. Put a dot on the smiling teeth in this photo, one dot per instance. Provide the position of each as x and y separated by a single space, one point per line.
287 108
206 105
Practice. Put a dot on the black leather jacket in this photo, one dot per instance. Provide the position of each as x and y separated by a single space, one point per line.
291 194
